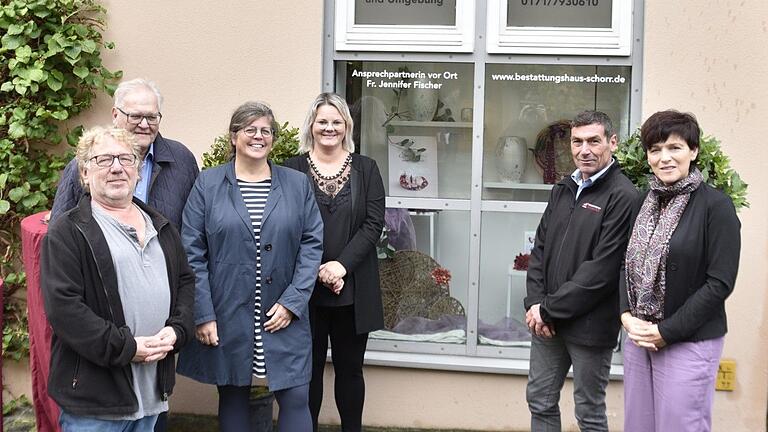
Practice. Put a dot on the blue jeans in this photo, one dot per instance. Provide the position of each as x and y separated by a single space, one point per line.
550 360
73 423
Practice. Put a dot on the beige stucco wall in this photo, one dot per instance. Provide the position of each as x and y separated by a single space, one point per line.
709 57
208 57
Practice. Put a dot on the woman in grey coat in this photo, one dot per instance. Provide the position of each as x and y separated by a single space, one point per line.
253 235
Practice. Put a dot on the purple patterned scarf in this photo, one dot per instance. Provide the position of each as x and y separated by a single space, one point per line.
646 260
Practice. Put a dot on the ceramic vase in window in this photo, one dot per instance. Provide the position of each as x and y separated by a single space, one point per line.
422 102
511 158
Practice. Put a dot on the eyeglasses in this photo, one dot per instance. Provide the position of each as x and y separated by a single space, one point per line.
106 160
336 124
251 132
152 119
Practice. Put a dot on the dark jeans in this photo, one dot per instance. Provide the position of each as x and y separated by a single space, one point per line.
347 351
293 414
550 360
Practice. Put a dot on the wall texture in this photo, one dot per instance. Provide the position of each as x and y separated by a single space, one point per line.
209 57
710 57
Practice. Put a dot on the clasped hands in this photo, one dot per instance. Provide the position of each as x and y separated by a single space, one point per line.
331 275
537 325
642 333
154 348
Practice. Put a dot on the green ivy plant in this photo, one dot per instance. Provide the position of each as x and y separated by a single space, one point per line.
285 146
51 70
713 163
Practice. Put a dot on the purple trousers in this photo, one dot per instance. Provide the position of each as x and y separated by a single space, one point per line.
671 389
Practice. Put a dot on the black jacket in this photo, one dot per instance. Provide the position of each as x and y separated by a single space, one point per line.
575 262
701 270
359 256
173 173
91 346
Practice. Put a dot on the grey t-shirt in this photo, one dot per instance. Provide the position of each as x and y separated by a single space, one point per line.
142 281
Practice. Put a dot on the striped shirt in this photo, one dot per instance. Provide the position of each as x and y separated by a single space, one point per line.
255 197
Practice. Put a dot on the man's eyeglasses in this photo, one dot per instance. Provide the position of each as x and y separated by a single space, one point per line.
336 124
106 160
251 132
152 119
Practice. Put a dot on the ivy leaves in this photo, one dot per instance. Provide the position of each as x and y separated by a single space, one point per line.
714 165
51 70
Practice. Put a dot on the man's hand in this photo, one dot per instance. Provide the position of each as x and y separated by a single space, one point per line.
536 325
281 317
207 333
150 348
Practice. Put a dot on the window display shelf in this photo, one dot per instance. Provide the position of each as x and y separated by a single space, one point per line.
525 186
440 124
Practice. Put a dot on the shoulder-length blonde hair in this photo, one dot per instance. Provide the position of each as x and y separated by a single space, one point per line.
336 101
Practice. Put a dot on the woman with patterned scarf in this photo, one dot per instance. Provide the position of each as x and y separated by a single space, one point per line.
681 265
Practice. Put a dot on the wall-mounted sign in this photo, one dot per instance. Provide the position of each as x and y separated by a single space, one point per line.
559 13
569 27
405 12
405 25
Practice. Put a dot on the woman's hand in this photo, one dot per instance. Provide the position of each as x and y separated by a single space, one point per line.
207 333
335 288
642 333
280 318
331 273
632 324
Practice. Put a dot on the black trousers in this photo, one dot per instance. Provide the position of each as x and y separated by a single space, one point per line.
347 351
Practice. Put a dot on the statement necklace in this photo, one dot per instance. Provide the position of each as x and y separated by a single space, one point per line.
330 185
331 177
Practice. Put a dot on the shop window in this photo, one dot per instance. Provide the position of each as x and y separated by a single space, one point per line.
469 138
527 109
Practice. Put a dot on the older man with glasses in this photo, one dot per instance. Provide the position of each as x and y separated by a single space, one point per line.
118 292
169 169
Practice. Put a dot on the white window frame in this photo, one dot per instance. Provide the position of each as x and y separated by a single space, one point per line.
409 38
613 41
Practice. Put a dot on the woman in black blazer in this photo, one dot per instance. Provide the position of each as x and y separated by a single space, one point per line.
346 303
681 265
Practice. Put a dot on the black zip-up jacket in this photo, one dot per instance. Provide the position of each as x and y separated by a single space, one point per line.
575 262
91 346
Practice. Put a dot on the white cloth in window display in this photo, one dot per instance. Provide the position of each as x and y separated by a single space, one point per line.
418 306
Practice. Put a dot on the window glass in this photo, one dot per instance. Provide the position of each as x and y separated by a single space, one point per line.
527 109
506 242
559 13
405 12
425 278
415 119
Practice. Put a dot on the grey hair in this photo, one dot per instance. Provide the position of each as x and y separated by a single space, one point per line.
336 101
588 117
245 114
126 87
95 135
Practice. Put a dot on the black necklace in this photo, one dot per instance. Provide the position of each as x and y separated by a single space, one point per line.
331 177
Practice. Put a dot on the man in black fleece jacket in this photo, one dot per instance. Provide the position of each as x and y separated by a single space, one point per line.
573 278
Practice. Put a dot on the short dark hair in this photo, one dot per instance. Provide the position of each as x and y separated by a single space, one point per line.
658 127
588 117
247 113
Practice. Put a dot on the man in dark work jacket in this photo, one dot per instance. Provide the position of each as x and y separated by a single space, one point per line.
573 278
170 169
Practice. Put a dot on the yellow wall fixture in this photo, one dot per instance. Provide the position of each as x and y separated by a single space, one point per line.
726 375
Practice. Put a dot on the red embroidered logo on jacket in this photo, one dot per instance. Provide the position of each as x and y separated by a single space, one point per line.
591 207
